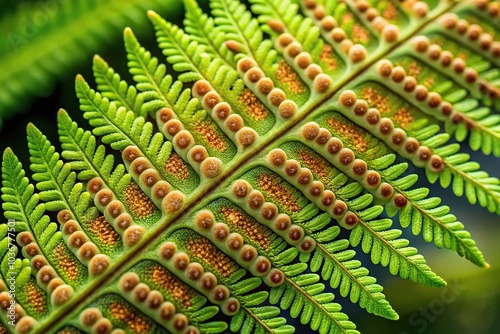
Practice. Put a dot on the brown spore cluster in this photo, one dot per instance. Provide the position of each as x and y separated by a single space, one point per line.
326 56
67 264
207 252
390 12
138 202
359 34
252 229
350 132
374 99
287 75
36 297
176 166
270 185
255 108
134 322
206 129
163 278
104 231
402 117
414 69
316 163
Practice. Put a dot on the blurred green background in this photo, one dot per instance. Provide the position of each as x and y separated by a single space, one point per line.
44 82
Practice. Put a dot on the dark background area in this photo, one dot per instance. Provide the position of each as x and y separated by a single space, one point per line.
470 303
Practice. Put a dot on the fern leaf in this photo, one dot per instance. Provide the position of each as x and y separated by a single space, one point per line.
385 248
301 292
113 88
55 180
201 29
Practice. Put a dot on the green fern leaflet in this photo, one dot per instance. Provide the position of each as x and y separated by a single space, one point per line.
255 162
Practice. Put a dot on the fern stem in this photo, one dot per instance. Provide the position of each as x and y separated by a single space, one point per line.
257 320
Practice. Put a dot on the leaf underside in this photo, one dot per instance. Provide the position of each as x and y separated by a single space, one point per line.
272 145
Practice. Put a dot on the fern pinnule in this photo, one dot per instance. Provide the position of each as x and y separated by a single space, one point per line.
243 31
55 268
202 29
304 296
335 262
113 88
422 152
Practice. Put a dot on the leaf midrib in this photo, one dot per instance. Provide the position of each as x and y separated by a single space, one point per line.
316 304
115 269
354 280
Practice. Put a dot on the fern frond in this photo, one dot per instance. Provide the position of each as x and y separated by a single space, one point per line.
251 175
304 296
81 150
20 203
240 27
33 28
385 248
55 180
114 89
149 76
337 264
186 56
263 319
426 138
189 59
427 150
159 89
119 127
42 245
203 30
460 112
481 126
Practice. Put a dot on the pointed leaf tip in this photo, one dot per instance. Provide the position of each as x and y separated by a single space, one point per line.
128 31
62 112
152 14
7 150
